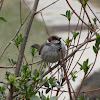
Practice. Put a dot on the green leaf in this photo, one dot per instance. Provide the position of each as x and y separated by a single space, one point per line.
68 14
1 18
17 78
16 84
51 80
73 75
80 65
47 90
24 68
63 15
29 83
34 97
36 73
2 88
95 50
83 2
33 51
85 66
53 98
7 75
46 84
85 63
67 42
75 34
18 40
94 20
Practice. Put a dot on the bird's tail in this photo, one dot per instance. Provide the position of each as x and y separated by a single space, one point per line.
36 46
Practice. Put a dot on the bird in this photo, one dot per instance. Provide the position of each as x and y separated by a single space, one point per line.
52 50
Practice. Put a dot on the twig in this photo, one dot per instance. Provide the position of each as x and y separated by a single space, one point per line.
1 4
93 13
45 25
20 13
47 6
66 76
80 86
7 67
91 90
26 4
86 13
92 65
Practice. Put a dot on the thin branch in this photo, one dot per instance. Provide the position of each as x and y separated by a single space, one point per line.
91 90
45 25
47 6
2 1
86 13
93 13
20 13
92 65
7 67
80 86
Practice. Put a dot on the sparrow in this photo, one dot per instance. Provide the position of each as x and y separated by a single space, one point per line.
52 50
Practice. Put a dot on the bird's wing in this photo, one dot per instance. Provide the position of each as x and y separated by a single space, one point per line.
40 49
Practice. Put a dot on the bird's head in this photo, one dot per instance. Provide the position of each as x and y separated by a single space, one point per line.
54 39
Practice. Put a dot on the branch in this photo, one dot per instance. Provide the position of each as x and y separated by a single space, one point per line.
27 30
7 67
